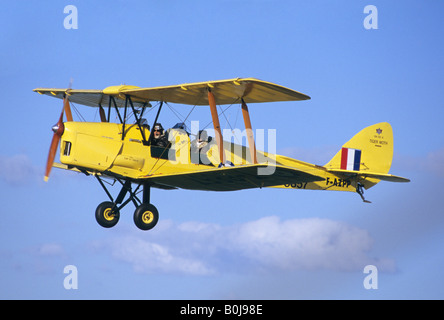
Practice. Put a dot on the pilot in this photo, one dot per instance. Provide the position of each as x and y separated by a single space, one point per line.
159 138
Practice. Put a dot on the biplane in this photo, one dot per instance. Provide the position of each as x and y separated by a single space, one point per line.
117 151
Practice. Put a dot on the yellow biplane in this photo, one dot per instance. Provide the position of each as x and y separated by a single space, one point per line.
125 152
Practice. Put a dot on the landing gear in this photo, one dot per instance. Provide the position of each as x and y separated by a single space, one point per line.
145 215
360 191
107 214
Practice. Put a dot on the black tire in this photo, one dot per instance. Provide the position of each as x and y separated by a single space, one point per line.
107 215
146 216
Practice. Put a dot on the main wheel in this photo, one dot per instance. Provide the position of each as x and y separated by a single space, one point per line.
146 216
107 215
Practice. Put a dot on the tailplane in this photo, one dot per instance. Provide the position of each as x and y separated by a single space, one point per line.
367 156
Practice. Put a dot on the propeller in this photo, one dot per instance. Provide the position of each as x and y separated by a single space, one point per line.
58 130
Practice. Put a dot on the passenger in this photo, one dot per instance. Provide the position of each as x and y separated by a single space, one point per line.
159 139
199 148
200 142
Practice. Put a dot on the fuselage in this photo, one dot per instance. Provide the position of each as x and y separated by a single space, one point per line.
98 147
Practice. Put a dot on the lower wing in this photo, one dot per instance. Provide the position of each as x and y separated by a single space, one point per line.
234 178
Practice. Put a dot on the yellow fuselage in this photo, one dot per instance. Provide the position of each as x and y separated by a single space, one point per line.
99 148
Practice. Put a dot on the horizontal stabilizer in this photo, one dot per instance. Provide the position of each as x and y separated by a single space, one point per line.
374 175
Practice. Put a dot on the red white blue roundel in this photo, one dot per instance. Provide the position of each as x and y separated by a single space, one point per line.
350 159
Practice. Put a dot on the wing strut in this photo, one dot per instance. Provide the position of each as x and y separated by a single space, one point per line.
67 108
249 131
102 113
212 102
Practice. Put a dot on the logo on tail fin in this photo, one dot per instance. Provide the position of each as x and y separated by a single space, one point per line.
350 159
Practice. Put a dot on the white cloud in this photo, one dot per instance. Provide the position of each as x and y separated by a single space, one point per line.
18 169
50 250
265 244
435 162
305 244
432 162
151 257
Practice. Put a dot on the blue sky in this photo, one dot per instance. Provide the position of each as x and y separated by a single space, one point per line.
255 244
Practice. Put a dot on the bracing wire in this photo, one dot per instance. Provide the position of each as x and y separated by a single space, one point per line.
186 118
77 112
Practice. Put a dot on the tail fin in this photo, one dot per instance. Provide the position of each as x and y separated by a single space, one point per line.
369 154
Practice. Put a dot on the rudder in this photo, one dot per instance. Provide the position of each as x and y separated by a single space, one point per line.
370 150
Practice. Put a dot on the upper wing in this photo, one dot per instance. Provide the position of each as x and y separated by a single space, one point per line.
233 178
225 91
92 98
